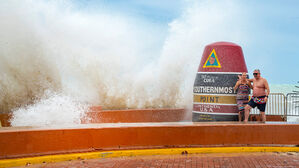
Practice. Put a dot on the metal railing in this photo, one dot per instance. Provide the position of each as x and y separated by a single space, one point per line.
292 107
276 105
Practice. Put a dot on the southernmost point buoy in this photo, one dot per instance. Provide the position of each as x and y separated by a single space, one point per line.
214 98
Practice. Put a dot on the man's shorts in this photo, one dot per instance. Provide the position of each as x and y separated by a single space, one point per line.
258 102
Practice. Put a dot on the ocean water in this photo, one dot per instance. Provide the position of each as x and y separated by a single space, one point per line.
283 88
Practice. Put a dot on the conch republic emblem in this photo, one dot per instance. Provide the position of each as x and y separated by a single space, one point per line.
212 61
214 98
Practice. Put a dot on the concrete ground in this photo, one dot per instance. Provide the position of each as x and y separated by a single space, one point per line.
226 160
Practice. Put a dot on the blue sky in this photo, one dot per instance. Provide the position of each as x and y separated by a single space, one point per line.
272 30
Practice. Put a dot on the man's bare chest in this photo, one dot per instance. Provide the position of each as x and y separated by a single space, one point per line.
259 84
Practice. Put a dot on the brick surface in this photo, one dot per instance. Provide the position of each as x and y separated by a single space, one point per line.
233 160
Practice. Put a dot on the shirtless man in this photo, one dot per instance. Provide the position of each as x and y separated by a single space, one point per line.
260 95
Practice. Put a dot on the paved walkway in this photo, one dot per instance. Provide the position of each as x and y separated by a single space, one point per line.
228 160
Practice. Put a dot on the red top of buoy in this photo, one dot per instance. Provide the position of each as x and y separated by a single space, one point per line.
222 57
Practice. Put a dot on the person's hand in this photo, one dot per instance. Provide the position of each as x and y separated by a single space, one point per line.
266 99
239 76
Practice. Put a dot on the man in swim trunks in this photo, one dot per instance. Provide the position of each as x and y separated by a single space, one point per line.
260 95
242 87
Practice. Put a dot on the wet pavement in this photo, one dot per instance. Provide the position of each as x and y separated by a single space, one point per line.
227 160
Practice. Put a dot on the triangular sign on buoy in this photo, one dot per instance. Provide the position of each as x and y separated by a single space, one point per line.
212 61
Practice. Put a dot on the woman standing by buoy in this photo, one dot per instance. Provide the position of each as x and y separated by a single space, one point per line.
242 87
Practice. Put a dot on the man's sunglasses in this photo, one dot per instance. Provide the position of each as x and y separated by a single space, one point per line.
255 73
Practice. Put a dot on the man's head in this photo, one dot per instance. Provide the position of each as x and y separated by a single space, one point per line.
256 73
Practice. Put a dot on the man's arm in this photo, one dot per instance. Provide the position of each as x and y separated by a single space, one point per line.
267 88
249 84
250 80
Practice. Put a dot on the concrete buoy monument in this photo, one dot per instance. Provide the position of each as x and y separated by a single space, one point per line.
214 98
